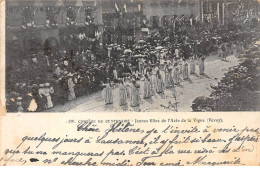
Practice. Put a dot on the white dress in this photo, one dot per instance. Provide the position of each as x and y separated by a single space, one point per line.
47 93
185 70
71 89
115 74
192 66
201 66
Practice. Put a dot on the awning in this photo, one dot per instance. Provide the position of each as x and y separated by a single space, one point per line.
26 3
41 3
127 51
79 3
12 3
69 3
38 4
89 2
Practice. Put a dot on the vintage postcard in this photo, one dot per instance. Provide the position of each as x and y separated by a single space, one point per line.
130 82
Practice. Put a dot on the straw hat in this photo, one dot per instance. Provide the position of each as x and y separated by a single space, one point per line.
70 75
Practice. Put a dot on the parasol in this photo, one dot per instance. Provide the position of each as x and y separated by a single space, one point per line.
127 51
138 56
141 41
159 48
164 50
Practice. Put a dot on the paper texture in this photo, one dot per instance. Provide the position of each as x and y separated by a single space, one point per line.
138 139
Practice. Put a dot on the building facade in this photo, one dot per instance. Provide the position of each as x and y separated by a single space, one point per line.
49 17
161 12
116 20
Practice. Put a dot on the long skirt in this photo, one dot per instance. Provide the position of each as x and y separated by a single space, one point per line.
176 76
147 89
115 74
202 67
108 96
221 54
168 80
235 51
185 72
181 67
49 102
122 97
192 68
226 53
135 100
152 79
128 91
71 94
158 85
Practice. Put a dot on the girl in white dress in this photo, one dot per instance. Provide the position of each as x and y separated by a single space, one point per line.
48 91
71 86
192 65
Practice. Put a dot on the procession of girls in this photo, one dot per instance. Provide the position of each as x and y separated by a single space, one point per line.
155 79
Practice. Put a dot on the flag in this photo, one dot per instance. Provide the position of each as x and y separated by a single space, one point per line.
125 8
139 7
218 10
117 9
35 11
182 17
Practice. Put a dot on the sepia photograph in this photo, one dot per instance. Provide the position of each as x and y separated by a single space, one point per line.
132 55
129 83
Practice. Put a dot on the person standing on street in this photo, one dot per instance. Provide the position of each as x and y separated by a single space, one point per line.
202 65
122 93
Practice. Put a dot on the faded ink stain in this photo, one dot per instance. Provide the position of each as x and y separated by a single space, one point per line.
33 160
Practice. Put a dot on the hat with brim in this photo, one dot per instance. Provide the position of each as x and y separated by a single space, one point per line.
47 84
70 75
